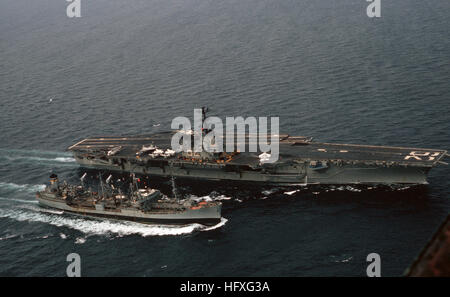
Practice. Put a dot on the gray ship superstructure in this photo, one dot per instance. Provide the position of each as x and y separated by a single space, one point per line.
141 205
301 161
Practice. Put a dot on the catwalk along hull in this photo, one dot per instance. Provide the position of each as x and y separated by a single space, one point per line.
299 162
206 215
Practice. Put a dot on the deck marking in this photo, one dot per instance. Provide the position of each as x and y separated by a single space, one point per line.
433 156
417 156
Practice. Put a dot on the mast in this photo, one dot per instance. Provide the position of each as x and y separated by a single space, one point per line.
101 185
134 188
174 188
204 111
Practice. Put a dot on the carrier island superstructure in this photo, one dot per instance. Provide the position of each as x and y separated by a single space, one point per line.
301 161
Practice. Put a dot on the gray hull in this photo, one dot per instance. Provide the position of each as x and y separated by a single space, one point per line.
207 216
289 175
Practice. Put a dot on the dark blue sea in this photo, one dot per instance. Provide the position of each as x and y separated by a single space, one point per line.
324 68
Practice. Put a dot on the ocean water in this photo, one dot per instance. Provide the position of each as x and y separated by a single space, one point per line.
129 67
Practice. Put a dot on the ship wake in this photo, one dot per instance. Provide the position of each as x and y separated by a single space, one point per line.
91 226
37 157
7 187
19 193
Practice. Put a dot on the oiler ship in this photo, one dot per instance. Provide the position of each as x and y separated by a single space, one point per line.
140 205
301 161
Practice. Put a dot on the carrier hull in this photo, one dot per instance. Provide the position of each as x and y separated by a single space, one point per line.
297 164
347 174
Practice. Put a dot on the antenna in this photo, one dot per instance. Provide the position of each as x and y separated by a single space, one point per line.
204 111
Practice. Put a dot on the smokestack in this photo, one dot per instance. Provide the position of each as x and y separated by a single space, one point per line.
54 182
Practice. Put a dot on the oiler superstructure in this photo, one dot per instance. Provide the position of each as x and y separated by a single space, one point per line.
140 205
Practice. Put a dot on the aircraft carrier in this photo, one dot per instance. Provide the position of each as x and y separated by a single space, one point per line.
301 161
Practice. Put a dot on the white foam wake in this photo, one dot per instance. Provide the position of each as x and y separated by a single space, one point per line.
65 160
104 227
19 200
209 198
41 159
222 222
21 187
36 156
9 237
24 152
